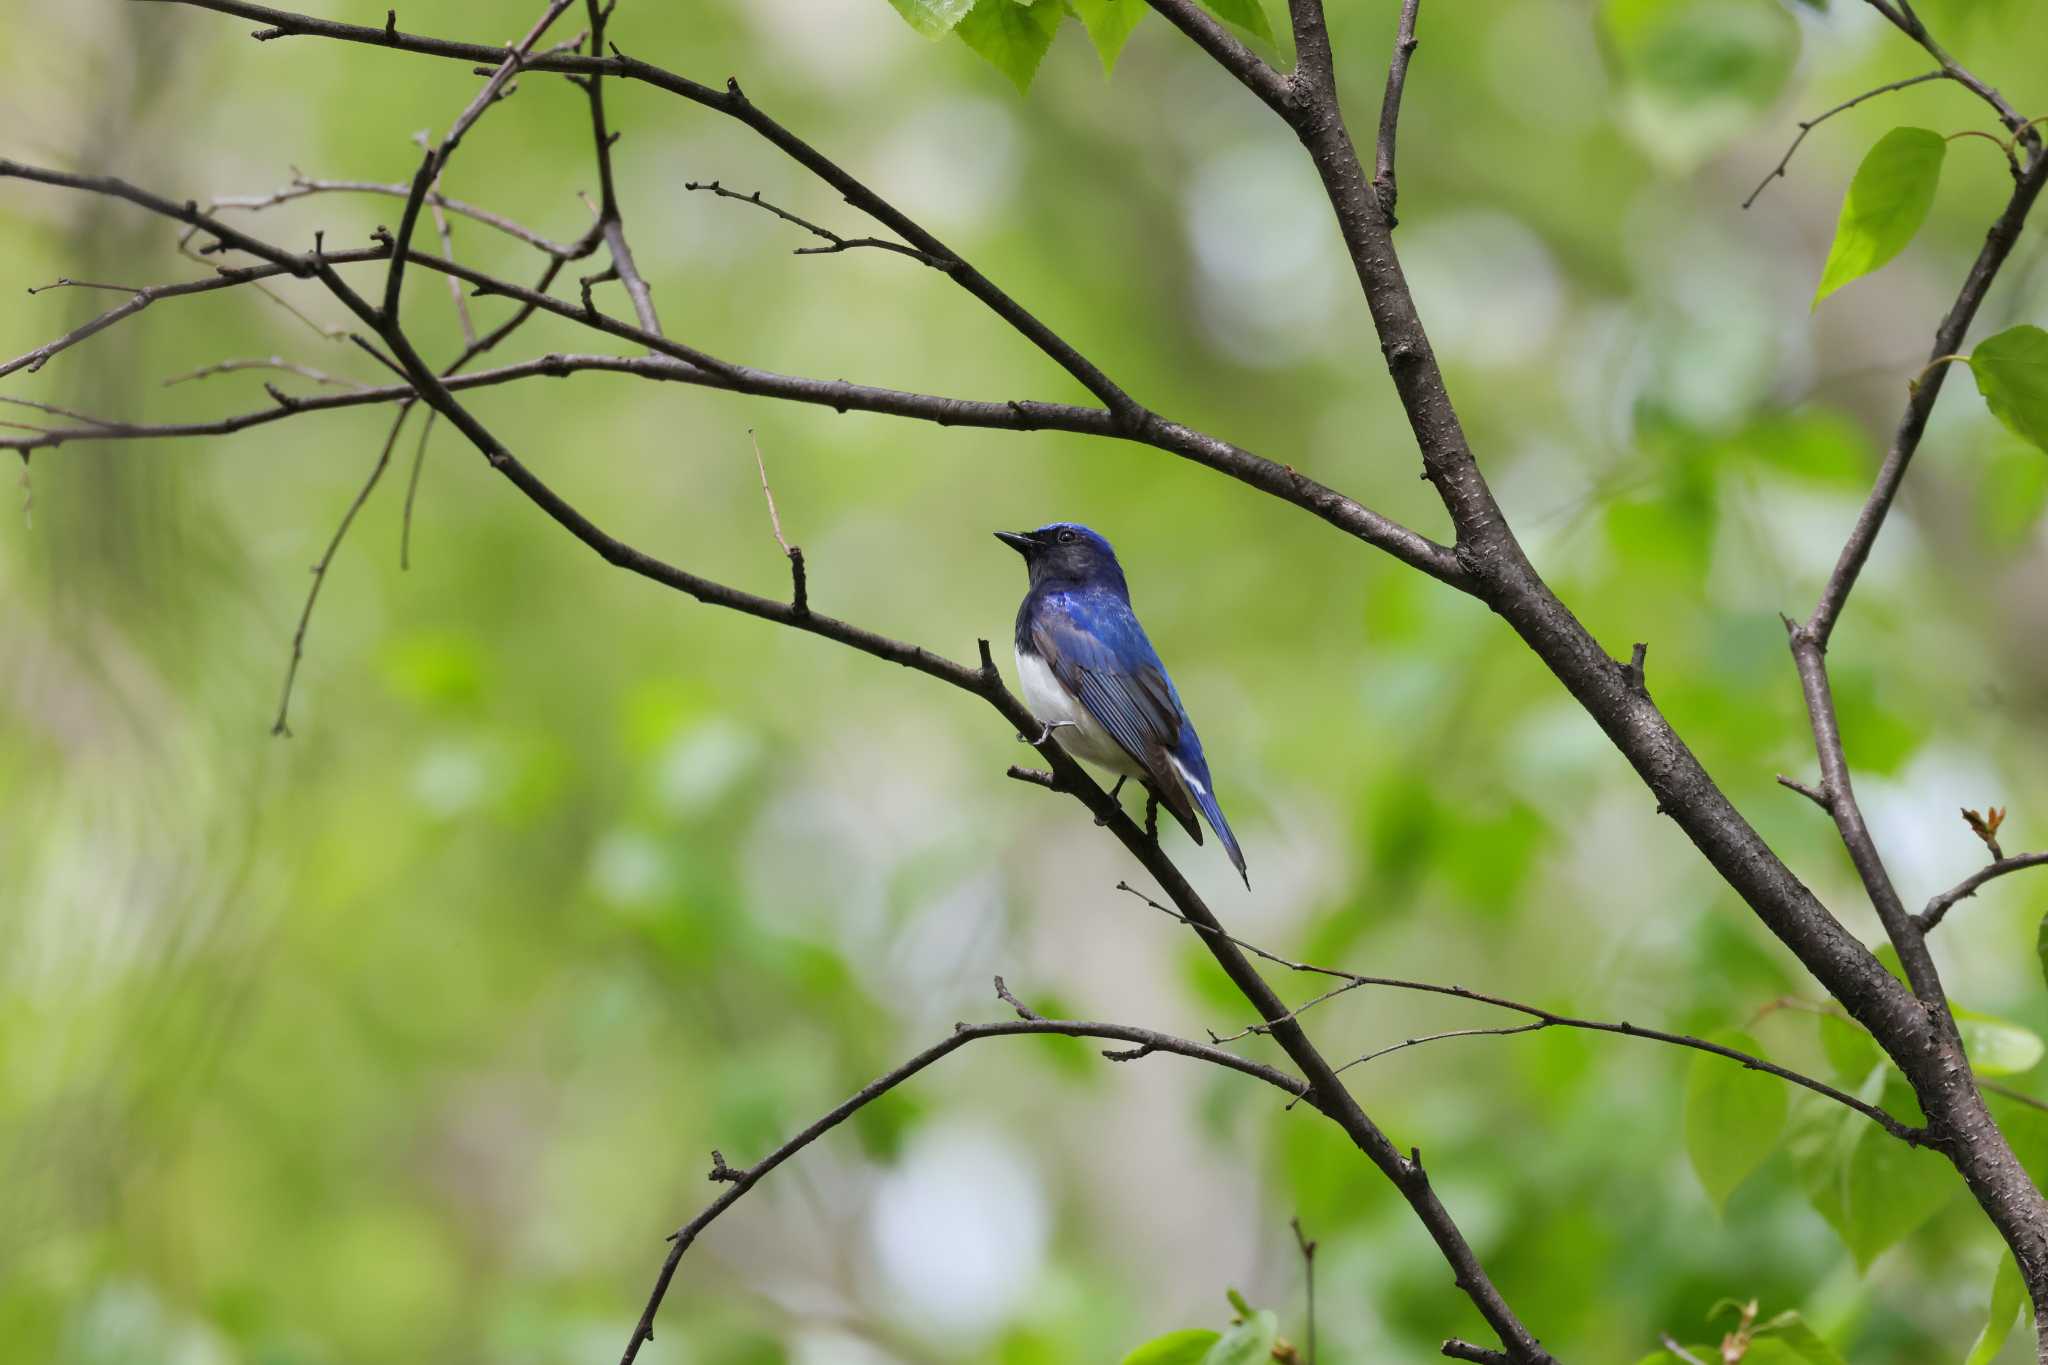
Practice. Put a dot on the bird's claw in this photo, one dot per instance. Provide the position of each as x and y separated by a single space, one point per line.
1044 733
1100 821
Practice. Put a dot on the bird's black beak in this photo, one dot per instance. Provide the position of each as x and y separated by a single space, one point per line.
1018 541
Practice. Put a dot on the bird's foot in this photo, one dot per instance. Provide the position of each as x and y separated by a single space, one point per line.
1044 732
1099 820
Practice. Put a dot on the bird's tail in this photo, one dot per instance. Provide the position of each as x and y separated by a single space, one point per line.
1194 779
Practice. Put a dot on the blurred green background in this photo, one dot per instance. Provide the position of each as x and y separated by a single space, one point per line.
408 1037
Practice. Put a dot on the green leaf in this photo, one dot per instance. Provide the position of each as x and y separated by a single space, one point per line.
1733 1118
1872 1188
1109 23
1248 15
1850 1049
2008 1296
933 18
1185 1347
1890 1189
1248 1343
1012 37
1888 201
2012 374
1997 1047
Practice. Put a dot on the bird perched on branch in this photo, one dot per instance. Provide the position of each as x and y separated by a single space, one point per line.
1090 675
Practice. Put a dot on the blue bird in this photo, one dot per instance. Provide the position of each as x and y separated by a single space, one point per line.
1090 675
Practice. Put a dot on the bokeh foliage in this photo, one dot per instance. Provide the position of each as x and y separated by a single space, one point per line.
410 1036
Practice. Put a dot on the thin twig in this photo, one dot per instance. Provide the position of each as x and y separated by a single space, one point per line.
834 242
1543 1018
1308 1274
447 236
35 359
741 1181
1940 905
1390 109
1902 17
799 595
266 363
302 186
611 222
291 672
412 491
436 159
1808 125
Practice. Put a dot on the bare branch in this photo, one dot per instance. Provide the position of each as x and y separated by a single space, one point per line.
1809 640
1940 905
265 363
291 672
799 594
227 279
1816 795
741 1181
436 159
1808 125
1132 420
1543 1018
610 221
1390 108
302 186
1308 1274
1907 22
834 242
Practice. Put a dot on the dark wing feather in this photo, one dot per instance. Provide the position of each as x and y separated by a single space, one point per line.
1098 651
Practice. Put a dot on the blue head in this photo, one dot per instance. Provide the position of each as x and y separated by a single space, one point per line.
1066 554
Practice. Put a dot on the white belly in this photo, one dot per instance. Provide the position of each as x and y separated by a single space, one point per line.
1078 733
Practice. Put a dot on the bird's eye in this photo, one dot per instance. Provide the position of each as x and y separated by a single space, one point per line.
1066 537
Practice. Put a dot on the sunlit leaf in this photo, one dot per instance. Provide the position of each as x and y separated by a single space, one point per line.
1734 1118
1248 1343
1248 15
1888 201
2012 374
1186 1347
1109 23
2008 1296
1013 38
933 18
1997 1047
